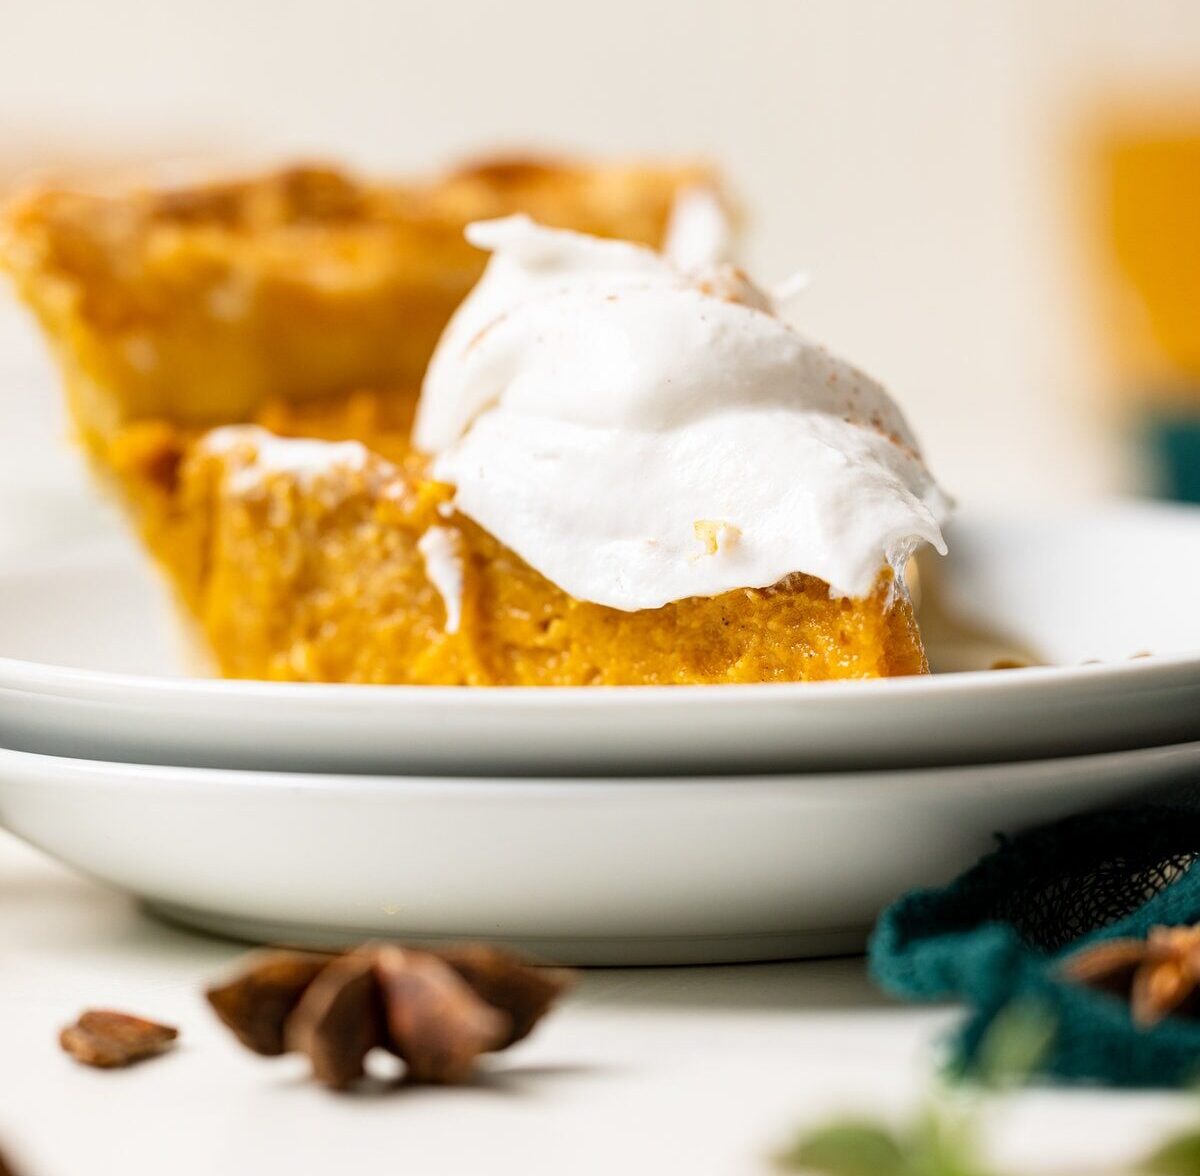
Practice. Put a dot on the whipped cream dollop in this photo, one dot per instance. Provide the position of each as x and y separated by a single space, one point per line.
441 549
640 432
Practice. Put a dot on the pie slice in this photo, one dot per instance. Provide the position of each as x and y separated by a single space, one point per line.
243 360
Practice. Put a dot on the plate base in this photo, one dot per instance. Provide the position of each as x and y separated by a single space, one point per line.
587 952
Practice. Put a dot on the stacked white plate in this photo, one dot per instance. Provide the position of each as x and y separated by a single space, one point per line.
639 825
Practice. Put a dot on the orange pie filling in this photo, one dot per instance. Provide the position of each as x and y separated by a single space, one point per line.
320 575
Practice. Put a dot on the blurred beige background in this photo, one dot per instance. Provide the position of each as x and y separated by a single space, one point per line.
917 158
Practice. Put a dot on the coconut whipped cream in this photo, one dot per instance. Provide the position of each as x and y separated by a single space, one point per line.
640 432
265 454
698 231
441 549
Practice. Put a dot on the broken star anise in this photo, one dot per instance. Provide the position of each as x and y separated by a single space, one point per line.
108 1039
435 1010
1159 976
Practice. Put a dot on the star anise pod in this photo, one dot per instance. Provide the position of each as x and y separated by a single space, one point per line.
1158 975
435 1010
108 1039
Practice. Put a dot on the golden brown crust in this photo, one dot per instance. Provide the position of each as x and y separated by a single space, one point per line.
199 304
321 193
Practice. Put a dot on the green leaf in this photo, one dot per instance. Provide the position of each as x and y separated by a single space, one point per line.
848 1148
944 1143
1016 1043
1177 1157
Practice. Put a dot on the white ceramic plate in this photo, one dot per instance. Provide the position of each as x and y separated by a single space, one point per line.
596 871
93 670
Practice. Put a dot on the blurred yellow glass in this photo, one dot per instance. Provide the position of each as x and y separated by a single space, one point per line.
1150 188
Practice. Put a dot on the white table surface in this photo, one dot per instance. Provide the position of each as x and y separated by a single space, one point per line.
689 1070
672 1070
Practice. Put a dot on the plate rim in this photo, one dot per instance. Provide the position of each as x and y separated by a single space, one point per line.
1152 672
46 679
154 777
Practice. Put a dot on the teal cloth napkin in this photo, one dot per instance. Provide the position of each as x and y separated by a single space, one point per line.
1173 443
999 933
